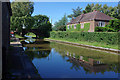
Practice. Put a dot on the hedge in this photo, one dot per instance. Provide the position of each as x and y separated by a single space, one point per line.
103 37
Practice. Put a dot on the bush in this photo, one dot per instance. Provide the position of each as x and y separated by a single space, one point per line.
114 24
104 29
103 37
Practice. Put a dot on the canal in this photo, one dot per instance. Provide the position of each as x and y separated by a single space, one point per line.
56 60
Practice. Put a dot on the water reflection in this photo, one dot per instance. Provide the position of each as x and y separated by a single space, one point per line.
34 51
53 60
97 61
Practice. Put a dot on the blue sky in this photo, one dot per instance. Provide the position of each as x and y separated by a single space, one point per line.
56 10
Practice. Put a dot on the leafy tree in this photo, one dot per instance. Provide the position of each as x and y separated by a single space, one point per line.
88 8
114 24
97 7
60 25
21 14
20 9
118 10
76 12
39 20
105 9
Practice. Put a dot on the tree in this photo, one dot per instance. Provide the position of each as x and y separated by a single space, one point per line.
76 12
61 24
98 7
118 10
88 8
21 14
105 9
20 9
39 20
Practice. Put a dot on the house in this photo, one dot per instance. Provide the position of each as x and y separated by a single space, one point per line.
87 22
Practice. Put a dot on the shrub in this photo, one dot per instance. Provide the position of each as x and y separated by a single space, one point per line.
104 29
103 37
114 24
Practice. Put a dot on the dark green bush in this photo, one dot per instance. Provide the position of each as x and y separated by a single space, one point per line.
104 29
114 24
103 37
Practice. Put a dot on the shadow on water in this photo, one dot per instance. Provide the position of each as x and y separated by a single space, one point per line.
54 60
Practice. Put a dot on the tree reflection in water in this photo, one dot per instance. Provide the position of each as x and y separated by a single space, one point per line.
106 62
37 49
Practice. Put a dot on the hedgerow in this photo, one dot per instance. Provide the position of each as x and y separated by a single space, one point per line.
102 37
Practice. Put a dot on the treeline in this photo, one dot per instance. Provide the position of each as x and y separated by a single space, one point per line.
22 17
108 10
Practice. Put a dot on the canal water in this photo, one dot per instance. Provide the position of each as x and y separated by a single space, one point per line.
56 60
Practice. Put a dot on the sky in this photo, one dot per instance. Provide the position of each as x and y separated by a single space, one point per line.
56 10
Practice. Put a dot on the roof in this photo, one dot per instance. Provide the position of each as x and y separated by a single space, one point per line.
95 15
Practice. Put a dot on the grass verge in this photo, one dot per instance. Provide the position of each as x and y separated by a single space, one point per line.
18 36
87 43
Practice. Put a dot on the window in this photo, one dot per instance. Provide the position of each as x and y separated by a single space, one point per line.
68 27
101 24
75 26
71 25
82 25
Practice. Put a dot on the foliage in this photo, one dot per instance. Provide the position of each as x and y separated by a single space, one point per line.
17 23
108 10
115 24
88 8
62 28
76 12
85 29
60 25
35 22
44 29
39 20
118 10
104 29
104 37
31 34
97 7
20 9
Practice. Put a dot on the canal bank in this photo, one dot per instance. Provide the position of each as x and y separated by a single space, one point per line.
115 51
19 66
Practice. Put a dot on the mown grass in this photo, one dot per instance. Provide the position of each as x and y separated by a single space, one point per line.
97 44
31 34
18 36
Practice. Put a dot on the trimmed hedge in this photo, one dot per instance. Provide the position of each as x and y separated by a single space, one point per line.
103 37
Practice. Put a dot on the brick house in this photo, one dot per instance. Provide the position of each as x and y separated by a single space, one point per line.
94 19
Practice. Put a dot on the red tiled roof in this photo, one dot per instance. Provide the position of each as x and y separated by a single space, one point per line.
95 15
